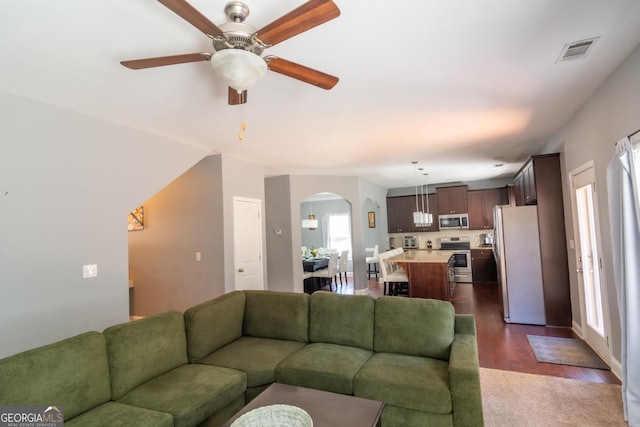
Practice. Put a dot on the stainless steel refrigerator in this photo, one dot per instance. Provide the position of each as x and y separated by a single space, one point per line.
516 247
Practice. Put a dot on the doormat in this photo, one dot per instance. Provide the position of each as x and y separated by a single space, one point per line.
565 351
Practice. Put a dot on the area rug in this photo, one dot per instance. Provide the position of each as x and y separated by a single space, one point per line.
565 351
527 400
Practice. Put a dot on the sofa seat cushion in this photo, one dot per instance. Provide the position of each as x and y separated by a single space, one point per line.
191 393
411 382
114 414
323 366
257 357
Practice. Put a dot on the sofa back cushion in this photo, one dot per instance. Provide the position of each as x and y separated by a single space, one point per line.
72 373
143 349
278 315
414 326
342 319
214 324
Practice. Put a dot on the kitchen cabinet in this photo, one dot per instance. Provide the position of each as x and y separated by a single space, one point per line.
525 182
430 273
483 266
452 199
400 214
480 205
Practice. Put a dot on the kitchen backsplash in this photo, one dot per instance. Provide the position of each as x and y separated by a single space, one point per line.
434 236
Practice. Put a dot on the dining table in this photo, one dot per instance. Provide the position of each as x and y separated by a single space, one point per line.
315 264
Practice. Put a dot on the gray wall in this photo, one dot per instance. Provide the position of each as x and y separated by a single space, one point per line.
67 183
183 218
471 185
610 114
282 193
192 214
281 257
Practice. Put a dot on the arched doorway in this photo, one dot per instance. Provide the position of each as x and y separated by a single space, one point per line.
332 232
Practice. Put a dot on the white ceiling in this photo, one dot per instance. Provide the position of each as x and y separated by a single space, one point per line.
458 85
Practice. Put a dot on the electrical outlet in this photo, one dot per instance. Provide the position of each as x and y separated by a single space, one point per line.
198 256
89 270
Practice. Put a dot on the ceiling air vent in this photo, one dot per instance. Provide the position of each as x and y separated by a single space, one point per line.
576 50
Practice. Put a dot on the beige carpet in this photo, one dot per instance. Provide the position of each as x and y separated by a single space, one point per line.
517 399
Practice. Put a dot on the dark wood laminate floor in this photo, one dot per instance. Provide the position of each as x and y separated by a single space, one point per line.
502 345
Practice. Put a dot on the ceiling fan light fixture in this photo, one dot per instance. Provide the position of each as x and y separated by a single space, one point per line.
239 68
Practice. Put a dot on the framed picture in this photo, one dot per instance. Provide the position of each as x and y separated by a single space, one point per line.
135 219
372 219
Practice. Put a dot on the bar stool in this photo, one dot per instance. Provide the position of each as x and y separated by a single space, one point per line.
372 260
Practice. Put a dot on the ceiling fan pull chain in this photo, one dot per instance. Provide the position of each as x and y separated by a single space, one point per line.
243 124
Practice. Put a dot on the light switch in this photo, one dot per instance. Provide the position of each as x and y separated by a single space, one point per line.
89 270
198 256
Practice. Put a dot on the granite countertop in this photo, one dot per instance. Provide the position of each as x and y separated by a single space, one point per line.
424 255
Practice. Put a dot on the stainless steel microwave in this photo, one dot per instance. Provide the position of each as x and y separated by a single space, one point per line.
454 222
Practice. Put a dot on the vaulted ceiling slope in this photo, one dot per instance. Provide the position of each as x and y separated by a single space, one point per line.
458 85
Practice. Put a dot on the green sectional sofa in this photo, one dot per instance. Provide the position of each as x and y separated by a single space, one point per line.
201 366
416 355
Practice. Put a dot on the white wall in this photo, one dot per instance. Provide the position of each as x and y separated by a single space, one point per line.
67 182
610 114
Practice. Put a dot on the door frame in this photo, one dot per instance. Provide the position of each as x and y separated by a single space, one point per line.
608 356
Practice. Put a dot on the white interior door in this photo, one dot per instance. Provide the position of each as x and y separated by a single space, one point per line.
247 232
589 259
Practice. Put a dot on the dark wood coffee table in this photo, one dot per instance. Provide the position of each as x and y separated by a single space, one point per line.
326 409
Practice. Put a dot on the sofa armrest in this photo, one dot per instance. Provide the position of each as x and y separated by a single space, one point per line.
464 377
465 324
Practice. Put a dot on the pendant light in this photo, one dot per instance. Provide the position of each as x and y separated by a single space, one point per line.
311 222
421 218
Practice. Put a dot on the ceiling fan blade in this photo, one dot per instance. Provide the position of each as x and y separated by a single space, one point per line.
138 64
192 16
236 98
302 73
299 20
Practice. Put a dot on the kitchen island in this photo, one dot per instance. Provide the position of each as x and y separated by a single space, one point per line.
430 273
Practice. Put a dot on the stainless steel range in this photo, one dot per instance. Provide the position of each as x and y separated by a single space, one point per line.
462 257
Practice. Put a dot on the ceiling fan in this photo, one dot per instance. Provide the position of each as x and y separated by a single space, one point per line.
238 46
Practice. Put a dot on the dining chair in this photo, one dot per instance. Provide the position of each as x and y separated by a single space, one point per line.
394 276
372 260
307 286
329 273
342 266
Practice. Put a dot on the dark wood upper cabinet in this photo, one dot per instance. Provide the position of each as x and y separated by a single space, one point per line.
400 213
452 199
525 182
481 203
